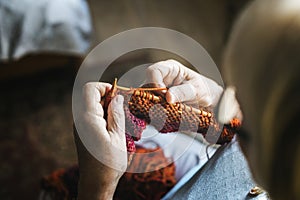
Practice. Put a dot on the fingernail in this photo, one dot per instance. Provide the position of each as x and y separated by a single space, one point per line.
164 91
170 97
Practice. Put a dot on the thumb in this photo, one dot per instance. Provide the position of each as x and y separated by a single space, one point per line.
181 93
204 92
116 116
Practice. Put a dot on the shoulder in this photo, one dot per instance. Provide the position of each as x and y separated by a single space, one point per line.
225 176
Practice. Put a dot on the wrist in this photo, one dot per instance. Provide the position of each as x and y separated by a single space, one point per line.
96 188
97 181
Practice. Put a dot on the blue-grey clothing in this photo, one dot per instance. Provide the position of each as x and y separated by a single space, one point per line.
225 176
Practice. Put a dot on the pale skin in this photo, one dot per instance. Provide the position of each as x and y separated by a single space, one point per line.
257 69
97 180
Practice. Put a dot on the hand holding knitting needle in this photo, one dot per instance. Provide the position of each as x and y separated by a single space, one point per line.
184 84
104 162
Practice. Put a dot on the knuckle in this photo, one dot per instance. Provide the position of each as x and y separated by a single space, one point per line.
87 87
152 68
157 68
173 61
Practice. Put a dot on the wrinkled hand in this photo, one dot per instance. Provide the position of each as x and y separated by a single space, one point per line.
184 84
103 157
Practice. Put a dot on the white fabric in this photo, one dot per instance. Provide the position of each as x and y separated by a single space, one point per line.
186 151
30 26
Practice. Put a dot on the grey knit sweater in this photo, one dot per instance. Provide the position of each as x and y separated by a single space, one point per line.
225 176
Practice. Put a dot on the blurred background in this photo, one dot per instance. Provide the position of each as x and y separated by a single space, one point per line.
42 44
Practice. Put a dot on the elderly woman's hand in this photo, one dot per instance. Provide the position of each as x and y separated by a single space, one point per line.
185 85
102 152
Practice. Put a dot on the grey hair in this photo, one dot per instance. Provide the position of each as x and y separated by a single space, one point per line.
262 61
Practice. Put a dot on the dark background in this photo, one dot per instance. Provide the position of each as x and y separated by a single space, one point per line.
35 103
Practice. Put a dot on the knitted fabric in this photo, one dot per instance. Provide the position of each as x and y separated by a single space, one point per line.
152 185
145 107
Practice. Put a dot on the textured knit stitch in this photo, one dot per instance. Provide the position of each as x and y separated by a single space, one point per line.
226 176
